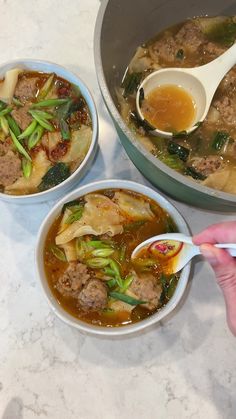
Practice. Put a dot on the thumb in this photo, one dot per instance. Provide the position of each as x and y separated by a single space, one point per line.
224 267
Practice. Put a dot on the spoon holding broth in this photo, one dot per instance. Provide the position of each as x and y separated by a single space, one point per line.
172 100
175 248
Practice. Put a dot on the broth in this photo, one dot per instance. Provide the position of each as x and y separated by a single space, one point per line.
59 259
169 108
207 155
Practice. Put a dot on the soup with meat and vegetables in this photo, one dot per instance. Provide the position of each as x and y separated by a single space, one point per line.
45 131
87 258
208 155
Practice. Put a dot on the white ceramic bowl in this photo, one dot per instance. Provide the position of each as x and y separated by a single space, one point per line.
56 210
74 178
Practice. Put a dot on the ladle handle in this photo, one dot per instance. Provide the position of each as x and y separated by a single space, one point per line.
212 73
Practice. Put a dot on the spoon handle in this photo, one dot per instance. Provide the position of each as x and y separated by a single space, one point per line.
230 247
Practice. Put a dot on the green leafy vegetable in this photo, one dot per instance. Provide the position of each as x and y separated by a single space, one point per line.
69 204
54 176
180 151
58 253
18 145
190 171
220 140
35 137
172 161
126 298
126 283
98 244
65 130
131 82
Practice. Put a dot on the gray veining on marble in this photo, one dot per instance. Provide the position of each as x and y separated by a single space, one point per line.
182 369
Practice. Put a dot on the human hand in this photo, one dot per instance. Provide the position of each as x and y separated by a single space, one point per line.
222 263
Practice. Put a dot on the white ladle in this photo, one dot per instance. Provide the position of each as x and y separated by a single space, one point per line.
200 82
186 252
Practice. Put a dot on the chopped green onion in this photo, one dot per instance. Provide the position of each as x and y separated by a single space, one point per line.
97 262
76 215
43 122
46 87
49 103
4 125
109 271
3 105
126 298
17 102
122 252
29 130
65 130
13 125
58 253
98 244
6 111
69 204
102 252
26 167
190 171
111 282
131 82
18 145
127 282
42 114
35 136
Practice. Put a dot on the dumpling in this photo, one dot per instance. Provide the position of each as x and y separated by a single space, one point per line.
79 145
40 166
100 216
7 87
135 208
224 180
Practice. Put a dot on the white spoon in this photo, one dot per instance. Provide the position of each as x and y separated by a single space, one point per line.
184 251
199 82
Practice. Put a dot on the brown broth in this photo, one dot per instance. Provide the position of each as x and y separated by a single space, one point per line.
54 268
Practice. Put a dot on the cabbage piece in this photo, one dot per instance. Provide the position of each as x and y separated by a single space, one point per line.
224 180
120 306
40 165
141 61
134 207
79 145
70 250
7 87
100 216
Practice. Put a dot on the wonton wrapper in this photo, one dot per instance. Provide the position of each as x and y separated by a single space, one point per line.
22 186
135 208
224 180
100 216
70 250
79 145
7 87
120 306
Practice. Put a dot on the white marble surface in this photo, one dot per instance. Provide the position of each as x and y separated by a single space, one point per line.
184 368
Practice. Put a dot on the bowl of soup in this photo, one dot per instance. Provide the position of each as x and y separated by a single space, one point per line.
199 168
48 130
83 258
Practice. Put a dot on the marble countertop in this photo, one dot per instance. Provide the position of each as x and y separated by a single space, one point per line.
182 368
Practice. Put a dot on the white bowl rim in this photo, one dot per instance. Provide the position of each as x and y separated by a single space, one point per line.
24 62
55 306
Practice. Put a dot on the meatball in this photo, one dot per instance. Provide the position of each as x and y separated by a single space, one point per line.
190 37
146 288
208 165
73 279
93 296
26 88
10 168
